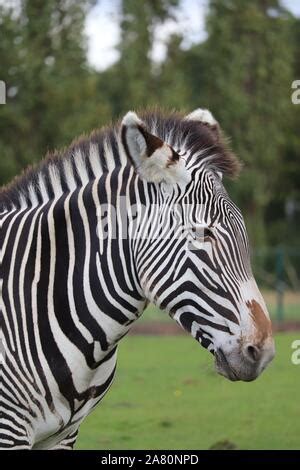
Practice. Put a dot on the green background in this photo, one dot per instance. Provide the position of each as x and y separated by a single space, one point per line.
167 395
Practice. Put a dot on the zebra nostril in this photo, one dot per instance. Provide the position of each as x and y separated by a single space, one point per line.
252 352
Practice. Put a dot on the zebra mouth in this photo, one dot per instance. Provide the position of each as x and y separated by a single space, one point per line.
223 366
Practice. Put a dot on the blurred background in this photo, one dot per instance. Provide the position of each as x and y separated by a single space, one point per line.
73 65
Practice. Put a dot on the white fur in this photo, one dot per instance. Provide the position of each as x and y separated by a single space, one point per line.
202 115
134 138
132 119
155 169
136 144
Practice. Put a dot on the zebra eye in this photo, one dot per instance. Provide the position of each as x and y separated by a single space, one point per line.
200 236
198 232
208 233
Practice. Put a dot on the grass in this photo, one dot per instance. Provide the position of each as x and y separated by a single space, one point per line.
167 396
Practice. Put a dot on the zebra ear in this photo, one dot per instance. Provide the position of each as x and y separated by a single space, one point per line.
202 115
153 158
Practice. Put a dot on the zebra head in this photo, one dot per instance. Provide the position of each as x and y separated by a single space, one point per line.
192 253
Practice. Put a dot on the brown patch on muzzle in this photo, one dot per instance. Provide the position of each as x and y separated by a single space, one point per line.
262 322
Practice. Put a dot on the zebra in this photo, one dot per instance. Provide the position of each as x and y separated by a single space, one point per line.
133 213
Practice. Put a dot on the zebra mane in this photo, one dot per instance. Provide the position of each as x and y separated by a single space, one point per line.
91 156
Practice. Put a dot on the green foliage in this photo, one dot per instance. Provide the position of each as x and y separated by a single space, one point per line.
249 71
51 91
134 83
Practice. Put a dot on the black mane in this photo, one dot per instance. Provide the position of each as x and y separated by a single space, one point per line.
170 127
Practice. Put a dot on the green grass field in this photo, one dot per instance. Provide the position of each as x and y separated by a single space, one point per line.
166 395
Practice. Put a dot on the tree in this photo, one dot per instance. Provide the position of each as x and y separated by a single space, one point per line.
247 69
286 197
175 76
135 68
